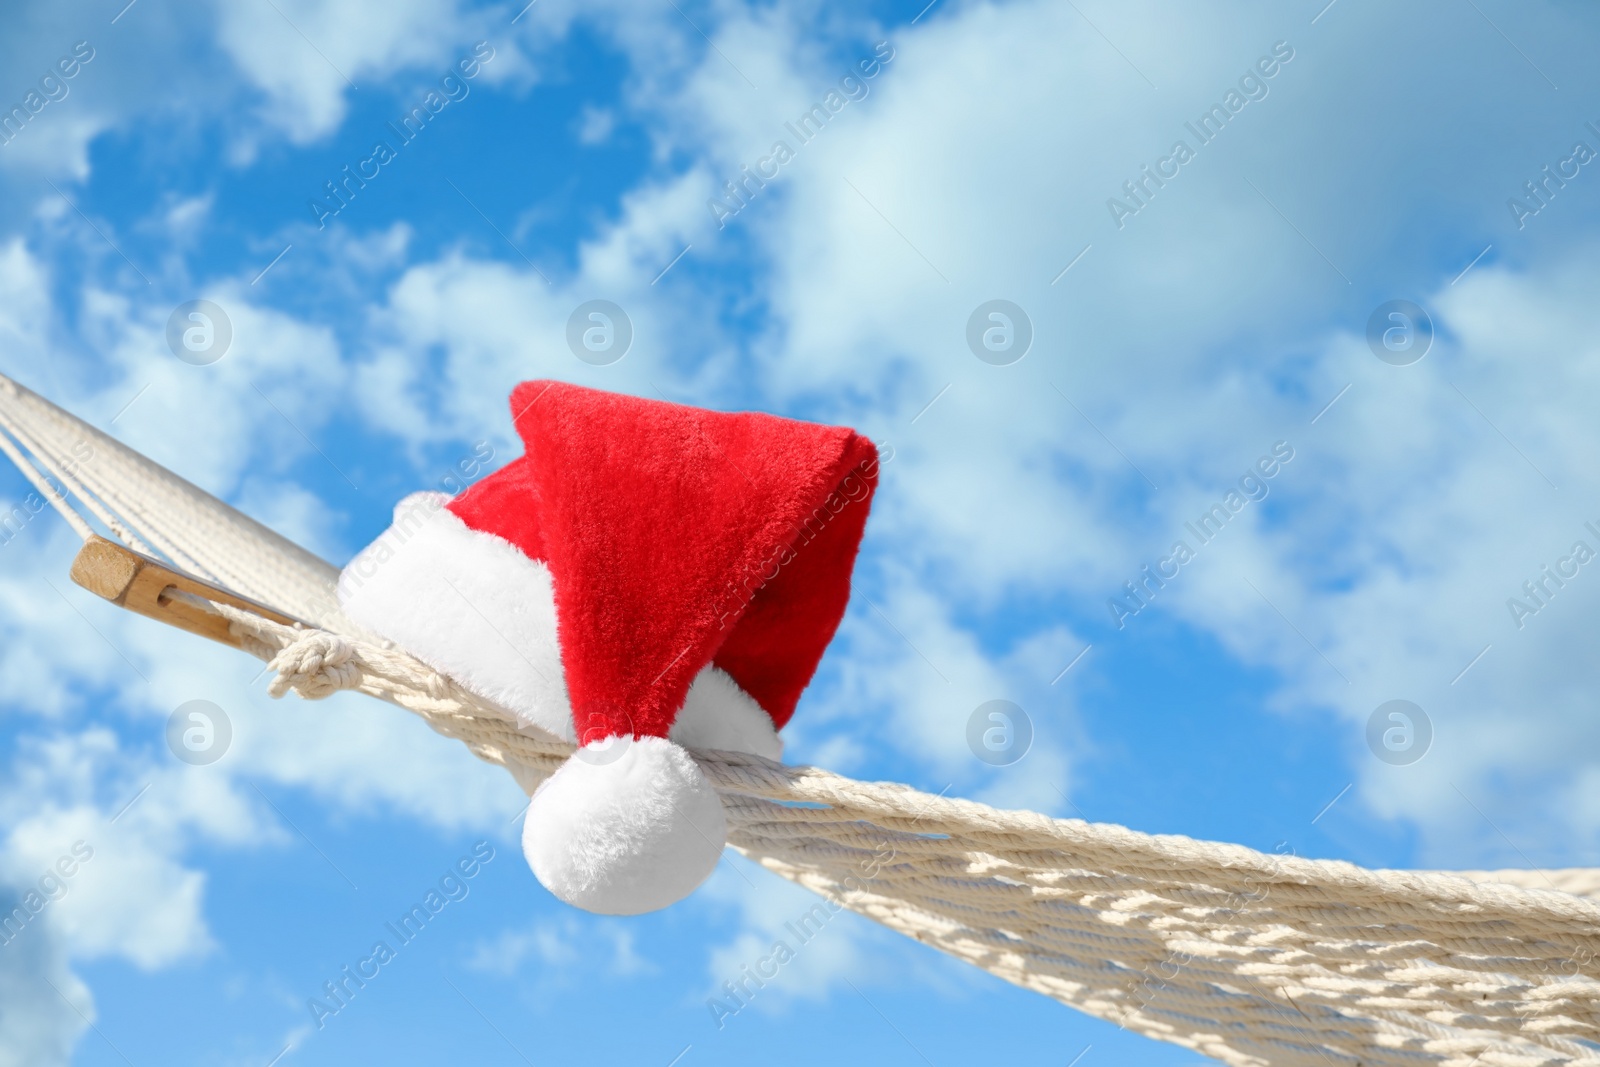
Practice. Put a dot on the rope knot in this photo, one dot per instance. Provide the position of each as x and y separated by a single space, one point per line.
316 666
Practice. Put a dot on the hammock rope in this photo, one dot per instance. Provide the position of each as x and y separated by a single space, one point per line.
1243 956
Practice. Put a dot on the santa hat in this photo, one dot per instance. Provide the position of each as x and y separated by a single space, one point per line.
647 576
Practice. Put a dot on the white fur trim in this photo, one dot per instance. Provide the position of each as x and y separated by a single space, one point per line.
468 604
718 714
624 827
473 606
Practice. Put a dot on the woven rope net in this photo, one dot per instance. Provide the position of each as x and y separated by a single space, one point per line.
1243 956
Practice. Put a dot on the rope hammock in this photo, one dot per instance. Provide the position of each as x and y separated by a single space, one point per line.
1242 956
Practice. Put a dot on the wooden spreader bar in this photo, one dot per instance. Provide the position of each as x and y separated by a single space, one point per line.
134 581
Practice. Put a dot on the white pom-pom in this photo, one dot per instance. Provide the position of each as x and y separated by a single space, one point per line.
625 826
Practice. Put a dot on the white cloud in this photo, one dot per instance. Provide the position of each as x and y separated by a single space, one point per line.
46 642
836 945
595 125
305 57
275 72
365 756
563 948
1418 517
25 317
256 408
153 63
909 681
113 889
39 1025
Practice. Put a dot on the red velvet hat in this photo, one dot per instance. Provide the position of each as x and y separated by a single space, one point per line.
646 575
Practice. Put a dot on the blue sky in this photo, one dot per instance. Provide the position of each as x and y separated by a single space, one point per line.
1173 347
